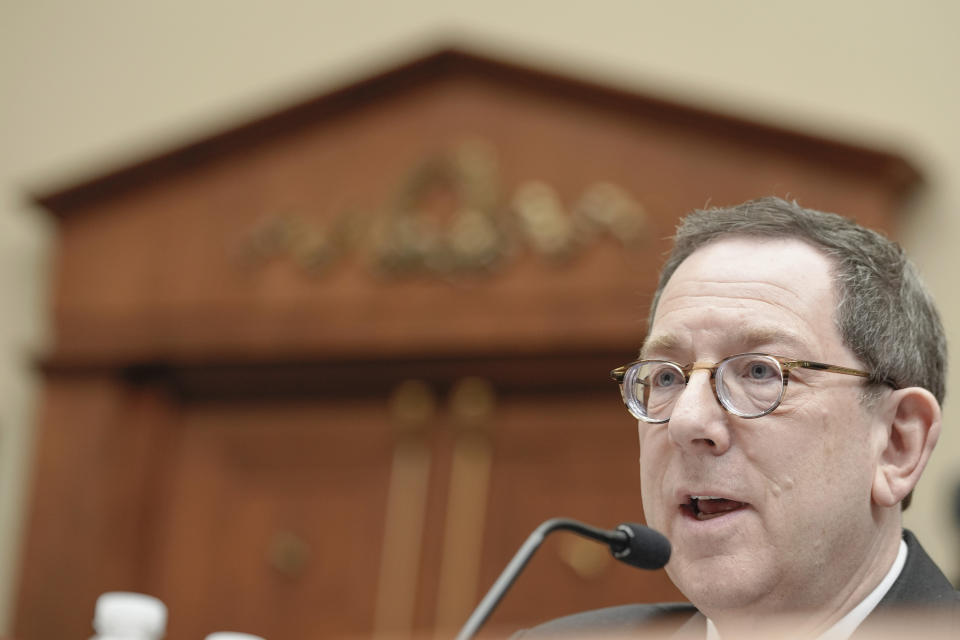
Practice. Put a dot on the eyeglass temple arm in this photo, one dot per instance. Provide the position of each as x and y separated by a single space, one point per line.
832 368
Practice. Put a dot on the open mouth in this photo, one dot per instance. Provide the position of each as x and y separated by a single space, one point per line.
707 507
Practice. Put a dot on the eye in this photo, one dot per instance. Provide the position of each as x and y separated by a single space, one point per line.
665 377
761 370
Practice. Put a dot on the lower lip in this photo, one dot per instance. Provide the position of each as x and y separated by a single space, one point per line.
692 523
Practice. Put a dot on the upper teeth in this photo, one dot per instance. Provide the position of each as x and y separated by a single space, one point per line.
706 498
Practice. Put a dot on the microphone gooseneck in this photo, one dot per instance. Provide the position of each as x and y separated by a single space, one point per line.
633 544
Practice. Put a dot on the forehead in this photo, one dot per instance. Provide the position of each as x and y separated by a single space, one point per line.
748 292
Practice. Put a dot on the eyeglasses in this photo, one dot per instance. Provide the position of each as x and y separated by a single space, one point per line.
748 385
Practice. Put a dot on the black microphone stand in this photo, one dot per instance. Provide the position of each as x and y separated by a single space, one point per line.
520 559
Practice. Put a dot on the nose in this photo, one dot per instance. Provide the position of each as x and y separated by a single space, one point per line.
698 423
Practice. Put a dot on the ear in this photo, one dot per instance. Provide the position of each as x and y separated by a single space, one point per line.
912 430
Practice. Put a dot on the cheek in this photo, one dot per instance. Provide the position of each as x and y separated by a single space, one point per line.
646 434
845 441
818 455
788 455
652 440
653 461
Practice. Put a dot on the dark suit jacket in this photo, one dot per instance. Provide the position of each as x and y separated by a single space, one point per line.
920 586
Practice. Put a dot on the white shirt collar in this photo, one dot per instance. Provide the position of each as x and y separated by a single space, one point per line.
846 625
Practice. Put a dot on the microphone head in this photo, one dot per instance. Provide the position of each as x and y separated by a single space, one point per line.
645 548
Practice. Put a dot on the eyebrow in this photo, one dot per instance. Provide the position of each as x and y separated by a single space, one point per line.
669 342
664 342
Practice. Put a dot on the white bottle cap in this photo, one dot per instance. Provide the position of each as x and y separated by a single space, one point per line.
122 613
231 635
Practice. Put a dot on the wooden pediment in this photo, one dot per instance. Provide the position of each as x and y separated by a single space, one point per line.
456 203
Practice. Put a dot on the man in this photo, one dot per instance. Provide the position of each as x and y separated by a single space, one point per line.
788 399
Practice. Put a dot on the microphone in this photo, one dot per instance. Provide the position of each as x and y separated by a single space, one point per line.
638 546
633 544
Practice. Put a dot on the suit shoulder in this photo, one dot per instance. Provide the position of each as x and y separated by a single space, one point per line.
921 583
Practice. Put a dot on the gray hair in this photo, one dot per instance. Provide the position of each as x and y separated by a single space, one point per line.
885 313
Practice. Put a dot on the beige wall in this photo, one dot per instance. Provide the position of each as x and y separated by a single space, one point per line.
91 85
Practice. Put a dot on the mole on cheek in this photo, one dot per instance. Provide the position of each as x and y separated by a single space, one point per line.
779 487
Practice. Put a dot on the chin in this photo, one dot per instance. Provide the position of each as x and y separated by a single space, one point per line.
720 583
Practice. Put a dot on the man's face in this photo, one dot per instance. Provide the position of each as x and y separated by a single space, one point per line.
803 533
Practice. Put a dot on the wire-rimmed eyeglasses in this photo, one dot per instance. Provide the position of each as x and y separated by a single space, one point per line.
749 385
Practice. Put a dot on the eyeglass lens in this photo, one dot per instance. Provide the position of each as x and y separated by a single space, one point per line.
748 385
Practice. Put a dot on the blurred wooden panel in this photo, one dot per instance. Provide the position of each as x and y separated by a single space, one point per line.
274 519
99 482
